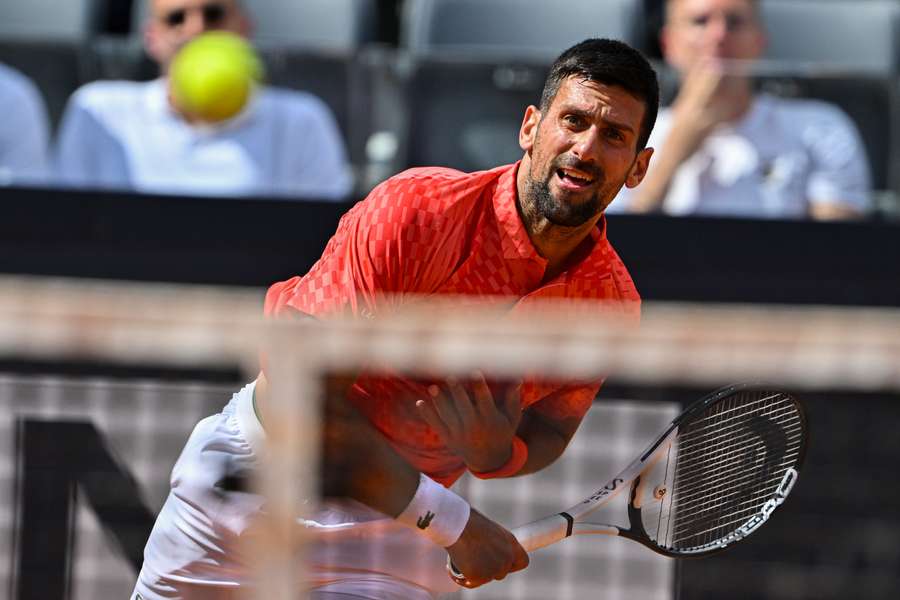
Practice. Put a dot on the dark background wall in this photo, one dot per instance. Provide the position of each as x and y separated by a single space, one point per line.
836 537
254 242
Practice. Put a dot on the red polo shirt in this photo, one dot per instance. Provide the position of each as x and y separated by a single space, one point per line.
435 231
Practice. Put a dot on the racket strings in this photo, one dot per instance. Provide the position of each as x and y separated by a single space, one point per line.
677 524
742 409
704 440
754 502
708 468
739 456
681 497
707 439
703 436
690 495
728 462
704 474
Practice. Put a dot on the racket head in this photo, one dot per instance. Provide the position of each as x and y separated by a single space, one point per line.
733 461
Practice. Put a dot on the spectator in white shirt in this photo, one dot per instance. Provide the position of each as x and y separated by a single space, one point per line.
722 149
24 130
129 135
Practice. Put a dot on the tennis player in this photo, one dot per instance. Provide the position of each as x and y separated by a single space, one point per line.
534 229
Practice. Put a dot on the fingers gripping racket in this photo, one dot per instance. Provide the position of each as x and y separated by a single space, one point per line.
712 478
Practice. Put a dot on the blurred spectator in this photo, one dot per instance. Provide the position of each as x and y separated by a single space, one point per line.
24 130
722 149
124 134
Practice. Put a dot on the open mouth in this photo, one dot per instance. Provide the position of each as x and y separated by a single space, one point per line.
574 178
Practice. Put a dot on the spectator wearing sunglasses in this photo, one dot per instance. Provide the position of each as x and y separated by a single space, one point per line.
129 135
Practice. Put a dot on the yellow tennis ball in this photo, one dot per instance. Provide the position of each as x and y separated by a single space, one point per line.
213 76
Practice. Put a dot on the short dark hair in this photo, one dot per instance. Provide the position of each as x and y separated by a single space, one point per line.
613 63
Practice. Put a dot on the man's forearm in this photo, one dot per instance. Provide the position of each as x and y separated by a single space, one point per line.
359 463
678 147
546 439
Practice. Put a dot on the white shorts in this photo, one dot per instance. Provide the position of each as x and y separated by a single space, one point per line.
194 552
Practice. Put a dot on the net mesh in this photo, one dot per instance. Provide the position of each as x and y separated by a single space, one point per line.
146 420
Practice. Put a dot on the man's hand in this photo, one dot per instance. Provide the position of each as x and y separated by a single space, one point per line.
473 425
701 104
713 92
486 551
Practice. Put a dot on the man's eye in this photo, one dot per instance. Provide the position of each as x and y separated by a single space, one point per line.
735 22
614 134
572 120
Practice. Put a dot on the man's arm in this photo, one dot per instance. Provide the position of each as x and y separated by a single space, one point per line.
24 131
359 463
840 182
546 437
498 439
86 153
835 211
707 98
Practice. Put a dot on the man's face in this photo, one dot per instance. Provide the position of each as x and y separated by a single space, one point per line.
173 23
581 151
711 29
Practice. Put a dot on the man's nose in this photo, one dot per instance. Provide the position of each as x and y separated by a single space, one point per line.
194 23
717 28
586 145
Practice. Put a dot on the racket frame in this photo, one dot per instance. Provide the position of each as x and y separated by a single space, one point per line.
551 529
554 528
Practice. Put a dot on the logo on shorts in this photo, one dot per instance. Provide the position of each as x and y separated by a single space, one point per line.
425 521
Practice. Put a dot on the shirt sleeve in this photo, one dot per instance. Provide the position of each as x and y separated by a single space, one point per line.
840 169
24 132
86 154
317 165
395 244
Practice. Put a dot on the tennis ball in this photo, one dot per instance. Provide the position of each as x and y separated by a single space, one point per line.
213 76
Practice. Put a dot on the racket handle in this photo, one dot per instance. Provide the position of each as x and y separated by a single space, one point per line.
542 532
531 536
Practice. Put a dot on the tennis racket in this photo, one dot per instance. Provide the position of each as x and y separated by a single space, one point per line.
712 478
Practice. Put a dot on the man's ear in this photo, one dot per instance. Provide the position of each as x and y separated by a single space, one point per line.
639 168
528 130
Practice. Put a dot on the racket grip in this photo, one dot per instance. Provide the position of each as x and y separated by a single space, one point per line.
542 532
531 536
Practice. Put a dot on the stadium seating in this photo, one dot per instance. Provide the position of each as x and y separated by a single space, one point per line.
856 35
57 67
47 41
466 114
51 20
869 100
472 68
331 24
323 24
515 27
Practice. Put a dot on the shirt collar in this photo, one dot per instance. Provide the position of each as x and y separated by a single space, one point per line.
513 236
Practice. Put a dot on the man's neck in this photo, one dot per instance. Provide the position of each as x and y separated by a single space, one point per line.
555 243
740 95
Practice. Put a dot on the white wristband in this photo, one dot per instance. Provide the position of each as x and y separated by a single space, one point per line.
436 512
